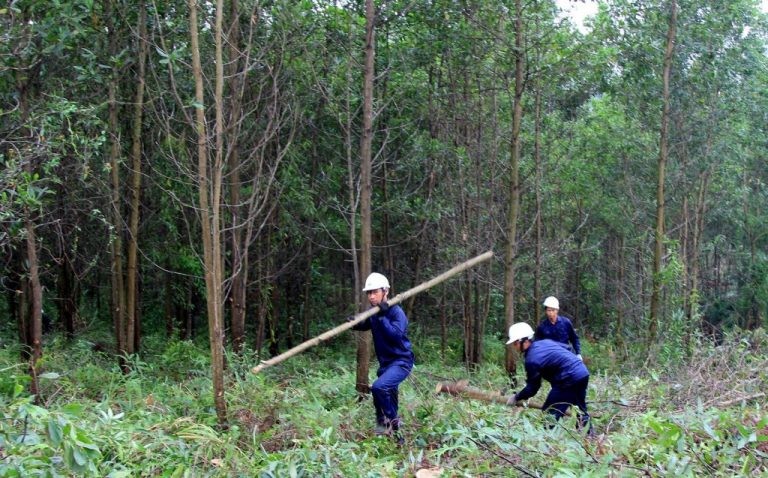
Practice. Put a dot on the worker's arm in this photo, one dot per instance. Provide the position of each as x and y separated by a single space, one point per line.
532 383
394 323
574 339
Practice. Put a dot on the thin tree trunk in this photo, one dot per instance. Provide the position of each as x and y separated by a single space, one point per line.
14 296
510 253
210 208
619 295
658 251
535 303
264 269
68 291
364 338
423 251
32 294
469 322
131 295
168 304
36 302
216 322
443 326
117 277
698 230
23 318
422 248
239 247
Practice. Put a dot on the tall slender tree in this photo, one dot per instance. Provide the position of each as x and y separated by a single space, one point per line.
513 208
209 197
132 269
658 250
366 139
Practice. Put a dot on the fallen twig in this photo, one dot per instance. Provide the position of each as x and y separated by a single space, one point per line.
741 399
513 464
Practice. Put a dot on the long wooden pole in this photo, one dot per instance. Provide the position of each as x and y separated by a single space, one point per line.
370 312
462 389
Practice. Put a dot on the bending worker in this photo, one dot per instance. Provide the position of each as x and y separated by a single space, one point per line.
557 327
553 362
389 328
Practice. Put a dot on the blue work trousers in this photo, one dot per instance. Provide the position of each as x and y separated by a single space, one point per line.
560 398
385 390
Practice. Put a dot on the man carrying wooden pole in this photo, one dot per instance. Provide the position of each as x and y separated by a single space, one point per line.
370 312
389 328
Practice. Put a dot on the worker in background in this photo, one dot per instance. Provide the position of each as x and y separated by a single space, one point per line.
558 328
553 362
389 328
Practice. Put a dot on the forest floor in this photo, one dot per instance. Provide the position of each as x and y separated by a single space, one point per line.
673 414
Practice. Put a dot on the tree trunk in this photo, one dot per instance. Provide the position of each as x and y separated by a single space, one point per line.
510 253
169 309
619 295
480 311
32 294
14 296
35 322
535 303
697 232
210 207
469 322
239 255
68 292
423 249
658 251
117 277
366 139
23 318
131 296
443 326
262 292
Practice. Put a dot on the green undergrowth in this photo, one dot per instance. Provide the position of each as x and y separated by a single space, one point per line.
701 416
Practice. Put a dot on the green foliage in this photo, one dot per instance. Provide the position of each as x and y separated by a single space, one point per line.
38 441
302 418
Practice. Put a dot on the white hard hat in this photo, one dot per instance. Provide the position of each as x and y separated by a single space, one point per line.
552 303
376 281
519 331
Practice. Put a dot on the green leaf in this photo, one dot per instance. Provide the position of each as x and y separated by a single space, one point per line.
178 472
54 432
75 409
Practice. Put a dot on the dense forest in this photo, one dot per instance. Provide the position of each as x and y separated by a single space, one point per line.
188 188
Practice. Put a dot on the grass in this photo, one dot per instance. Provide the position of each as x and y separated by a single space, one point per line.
303 417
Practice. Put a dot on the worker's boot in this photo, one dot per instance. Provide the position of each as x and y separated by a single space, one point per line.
382 429
397 433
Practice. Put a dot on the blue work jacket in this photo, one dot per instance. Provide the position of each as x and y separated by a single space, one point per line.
390 336
561 331
553 362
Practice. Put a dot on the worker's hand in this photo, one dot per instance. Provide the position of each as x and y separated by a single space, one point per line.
350 318
514 401
579 357
383 306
